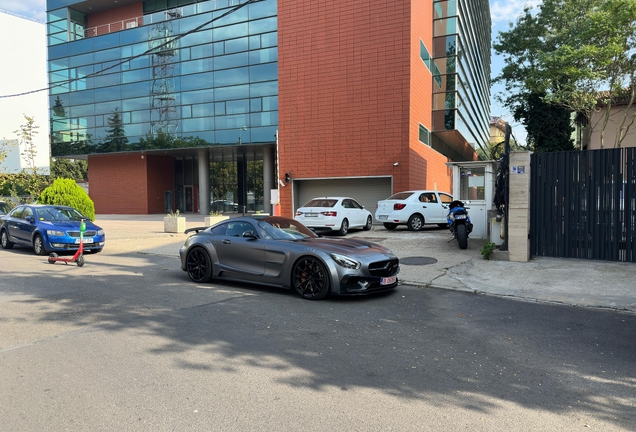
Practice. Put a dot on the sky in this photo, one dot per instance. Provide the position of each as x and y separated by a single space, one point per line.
502 13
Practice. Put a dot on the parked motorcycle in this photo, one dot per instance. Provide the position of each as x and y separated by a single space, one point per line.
459 222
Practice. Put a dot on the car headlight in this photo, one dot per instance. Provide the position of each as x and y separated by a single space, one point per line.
345 261
55 233
100 232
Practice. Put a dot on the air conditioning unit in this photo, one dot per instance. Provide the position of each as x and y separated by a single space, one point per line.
131 24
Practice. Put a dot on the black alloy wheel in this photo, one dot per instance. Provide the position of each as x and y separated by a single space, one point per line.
4 239
199 265
38 245
369 224
415 223
390 226
344 228
310 279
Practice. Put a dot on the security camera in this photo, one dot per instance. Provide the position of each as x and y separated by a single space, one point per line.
396 164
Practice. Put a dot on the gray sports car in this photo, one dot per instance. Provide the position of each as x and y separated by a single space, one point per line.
278 251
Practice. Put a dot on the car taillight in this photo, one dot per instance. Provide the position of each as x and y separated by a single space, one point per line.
330 213
299 213
398 206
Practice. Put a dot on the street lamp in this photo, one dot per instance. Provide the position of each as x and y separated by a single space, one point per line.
244 128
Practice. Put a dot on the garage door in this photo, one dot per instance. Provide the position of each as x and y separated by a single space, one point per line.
367 191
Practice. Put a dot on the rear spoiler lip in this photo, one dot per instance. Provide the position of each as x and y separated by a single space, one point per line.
195 230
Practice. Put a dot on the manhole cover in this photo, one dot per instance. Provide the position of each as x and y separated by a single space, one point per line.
417 261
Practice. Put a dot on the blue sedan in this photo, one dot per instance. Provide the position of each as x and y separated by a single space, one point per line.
49 228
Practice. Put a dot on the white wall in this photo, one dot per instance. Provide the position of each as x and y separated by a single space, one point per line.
23 47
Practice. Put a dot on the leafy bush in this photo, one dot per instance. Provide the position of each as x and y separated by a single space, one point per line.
66 192
487 250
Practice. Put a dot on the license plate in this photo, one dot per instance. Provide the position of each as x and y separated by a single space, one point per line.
382 217
311 214
460 217
388 280
84 240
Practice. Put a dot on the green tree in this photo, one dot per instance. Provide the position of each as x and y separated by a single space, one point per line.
67 192
566 53
116 139
75 169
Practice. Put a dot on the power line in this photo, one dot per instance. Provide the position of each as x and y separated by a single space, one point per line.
149 51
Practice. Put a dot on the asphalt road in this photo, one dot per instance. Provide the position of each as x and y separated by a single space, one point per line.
127 342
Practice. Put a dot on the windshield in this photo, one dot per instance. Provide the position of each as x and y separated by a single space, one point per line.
58 214
279 228
321 203
400 196
4 208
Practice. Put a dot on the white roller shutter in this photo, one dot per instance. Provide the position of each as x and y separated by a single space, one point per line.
367 191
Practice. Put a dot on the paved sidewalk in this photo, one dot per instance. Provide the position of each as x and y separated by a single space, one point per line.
429 259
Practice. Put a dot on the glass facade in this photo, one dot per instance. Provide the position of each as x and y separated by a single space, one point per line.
186 74
461 68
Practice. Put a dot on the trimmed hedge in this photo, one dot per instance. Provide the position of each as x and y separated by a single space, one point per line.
66 192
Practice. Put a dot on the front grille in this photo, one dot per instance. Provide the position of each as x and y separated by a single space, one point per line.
385 268
86 234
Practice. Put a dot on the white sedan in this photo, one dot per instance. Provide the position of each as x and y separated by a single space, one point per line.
335 214
414 209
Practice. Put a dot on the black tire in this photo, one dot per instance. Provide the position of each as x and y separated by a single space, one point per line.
369 224
52 257
444 225
4 239
38 245
415 223
310 279
344 228
390 226
80 261
199 265
462 236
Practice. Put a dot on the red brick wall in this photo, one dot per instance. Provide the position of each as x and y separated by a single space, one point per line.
347 80
118 184
160 179
115 17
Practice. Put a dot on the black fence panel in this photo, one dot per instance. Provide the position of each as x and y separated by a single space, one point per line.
583 204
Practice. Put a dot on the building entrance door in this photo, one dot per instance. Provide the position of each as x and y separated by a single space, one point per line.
189 202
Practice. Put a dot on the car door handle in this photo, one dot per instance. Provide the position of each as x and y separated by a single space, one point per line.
227 242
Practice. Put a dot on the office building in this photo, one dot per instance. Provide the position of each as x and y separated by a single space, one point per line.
221 105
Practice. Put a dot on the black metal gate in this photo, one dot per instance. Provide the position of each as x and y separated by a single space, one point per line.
583 204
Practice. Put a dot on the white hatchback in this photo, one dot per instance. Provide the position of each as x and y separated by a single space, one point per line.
414 209
335 214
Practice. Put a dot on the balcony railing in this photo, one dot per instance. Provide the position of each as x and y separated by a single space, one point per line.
157 17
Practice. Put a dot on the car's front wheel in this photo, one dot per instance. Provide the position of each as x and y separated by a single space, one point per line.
369 224
199 265
310 279
38 245
415 223
4 239
390 226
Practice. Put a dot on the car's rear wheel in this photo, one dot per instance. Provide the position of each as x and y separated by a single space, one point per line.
390 226
369 224
344 227
38 245
415 223
199 265
310 279
4 239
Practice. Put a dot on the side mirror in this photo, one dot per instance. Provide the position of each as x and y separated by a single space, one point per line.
29 219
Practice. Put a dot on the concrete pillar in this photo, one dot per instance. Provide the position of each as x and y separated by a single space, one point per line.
268 178
204 181
519 207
